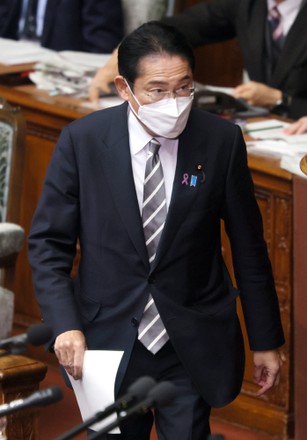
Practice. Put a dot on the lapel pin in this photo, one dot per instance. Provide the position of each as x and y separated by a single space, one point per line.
189 180
199 168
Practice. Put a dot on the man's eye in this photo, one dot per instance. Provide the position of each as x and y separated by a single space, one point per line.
157 91
182 88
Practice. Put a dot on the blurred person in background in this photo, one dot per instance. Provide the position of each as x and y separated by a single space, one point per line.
274 55
137 12
79 25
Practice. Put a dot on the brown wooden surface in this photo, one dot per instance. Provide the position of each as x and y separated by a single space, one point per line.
20 376
300 307
272 413
274 188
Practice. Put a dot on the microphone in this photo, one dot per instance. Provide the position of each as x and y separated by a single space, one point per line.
37 334
137 391
161 395
39 398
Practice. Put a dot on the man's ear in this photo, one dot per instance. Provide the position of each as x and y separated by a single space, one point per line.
122 88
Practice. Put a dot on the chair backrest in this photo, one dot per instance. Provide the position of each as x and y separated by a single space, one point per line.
12 153
137 12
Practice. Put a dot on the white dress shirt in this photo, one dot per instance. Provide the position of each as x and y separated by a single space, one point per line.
138 140
288 10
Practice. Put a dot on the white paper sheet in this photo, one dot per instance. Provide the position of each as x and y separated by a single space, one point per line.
22 52
272 129
106 102
95 391
292 164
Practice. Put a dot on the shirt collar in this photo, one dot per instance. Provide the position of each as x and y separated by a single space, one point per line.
138 136
285 7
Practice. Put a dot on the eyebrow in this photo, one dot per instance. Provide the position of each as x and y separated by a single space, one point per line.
157 82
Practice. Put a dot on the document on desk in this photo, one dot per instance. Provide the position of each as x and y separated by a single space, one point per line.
272 130
22 52
95 391
268 136
64 72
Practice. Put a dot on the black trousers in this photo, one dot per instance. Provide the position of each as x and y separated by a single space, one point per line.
186 418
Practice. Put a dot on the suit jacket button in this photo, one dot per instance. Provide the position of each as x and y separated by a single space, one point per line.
135 322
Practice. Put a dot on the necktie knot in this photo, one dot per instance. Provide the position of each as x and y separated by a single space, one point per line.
274 13
154 146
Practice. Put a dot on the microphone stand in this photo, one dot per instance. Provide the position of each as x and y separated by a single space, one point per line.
138 390
100 415
141 407
161 395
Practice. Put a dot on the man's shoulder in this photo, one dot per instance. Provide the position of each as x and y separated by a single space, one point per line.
98 119
201 119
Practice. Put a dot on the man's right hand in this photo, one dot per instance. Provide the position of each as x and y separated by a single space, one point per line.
103 78
69 348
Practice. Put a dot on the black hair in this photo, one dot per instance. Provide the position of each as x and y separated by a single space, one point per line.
151 38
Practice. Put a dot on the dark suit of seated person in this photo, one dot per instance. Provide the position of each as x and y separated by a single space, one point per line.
80 25
276 63
277 74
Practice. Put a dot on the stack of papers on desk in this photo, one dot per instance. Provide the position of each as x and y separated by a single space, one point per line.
65 72
62 74
21 52
268 136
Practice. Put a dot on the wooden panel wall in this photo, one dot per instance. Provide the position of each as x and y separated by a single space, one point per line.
273 413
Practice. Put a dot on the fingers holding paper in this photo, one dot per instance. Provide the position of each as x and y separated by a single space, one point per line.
69 348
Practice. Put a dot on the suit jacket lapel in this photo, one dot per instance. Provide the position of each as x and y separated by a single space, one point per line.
50 13
189 176
256 28
117 168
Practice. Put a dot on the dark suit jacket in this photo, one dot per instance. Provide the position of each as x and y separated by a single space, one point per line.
89 194
246 20
82 25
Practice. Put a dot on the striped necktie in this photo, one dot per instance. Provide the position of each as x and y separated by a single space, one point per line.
152 333
276 27
29 30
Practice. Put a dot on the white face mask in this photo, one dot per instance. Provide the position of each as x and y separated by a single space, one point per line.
166 118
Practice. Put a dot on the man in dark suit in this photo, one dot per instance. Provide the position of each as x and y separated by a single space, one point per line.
280 85
94 192
80 25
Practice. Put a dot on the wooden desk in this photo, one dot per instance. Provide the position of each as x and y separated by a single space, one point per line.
276 194
20 377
